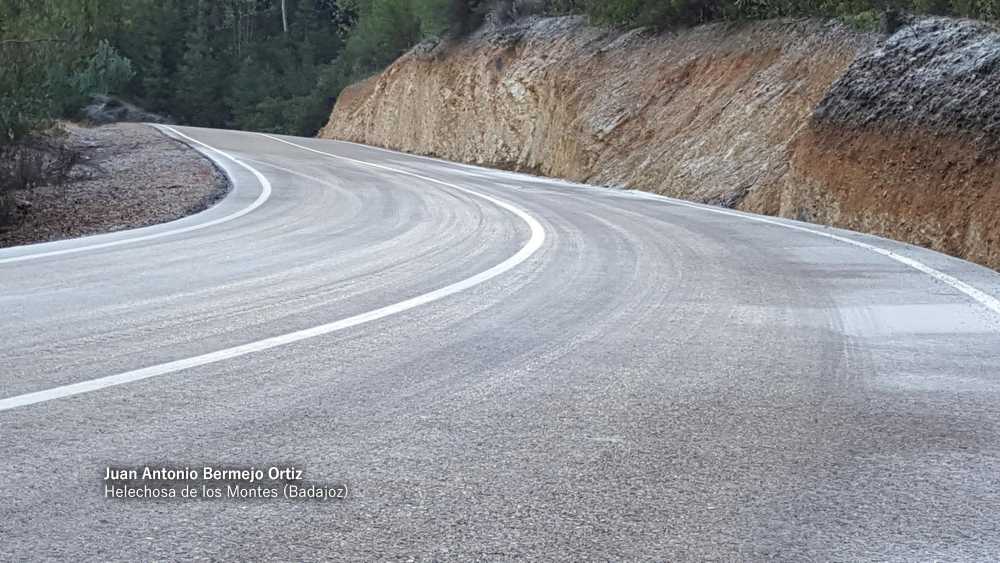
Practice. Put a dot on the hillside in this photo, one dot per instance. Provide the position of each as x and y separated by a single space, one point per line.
891 134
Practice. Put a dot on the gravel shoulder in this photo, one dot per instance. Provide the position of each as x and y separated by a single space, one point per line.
125 176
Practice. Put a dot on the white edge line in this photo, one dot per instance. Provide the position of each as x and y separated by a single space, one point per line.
264 195
981 297
534 243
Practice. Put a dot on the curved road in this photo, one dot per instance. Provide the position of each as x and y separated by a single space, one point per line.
497 366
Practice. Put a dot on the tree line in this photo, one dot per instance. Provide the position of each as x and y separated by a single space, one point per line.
278 65
264 65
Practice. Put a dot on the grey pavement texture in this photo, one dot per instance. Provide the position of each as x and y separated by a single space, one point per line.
656 382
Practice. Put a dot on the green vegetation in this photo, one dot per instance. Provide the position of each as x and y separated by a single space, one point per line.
278 65
858 13
50 66
52 58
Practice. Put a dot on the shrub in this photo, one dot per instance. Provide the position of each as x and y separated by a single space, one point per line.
40 81
20 169
508 11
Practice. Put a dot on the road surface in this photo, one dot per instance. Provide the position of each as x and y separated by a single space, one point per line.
496 366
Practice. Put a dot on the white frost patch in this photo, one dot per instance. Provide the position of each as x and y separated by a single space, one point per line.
909 320
515 89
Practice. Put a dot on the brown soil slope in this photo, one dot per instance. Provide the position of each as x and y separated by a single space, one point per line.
804 119
905 144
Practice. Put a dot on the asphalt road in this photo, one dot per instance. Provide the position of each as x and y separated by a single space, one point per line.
496 366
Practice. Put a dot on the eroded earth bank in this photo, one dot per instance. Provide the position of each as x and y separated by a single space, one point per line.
890 133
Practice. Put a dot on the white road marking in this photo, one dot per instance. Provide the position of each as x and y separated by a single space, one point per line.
981 297
534 243
264 195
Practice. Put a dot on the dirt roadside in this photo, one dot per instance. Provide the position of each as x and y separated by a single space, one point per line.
123 176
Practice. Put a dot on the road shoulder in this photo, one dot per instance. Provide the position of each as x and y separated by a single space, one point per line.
122 176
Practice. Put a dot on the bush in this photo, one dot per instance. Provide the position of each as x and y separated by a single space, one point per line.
20 169
40 82
659 13
857 13
980 9
864 20
508 11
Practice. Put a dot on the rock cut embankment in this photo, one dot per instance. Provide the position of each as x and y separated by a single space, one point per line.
895 135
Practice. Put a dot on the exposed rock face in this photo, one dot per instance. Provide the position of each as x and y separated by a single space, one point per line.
905 144
937 73
804 119
109 109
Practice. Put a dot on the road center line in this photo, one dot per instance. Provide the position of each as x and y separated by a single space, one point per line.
534 243
264 195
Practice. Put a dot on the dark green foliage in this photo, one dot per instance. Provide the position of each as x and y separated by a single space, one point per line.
232 63
20 168
859 13
51 60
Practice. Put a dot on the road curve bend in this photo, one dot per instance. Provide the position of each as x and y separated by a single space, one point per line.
498 366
